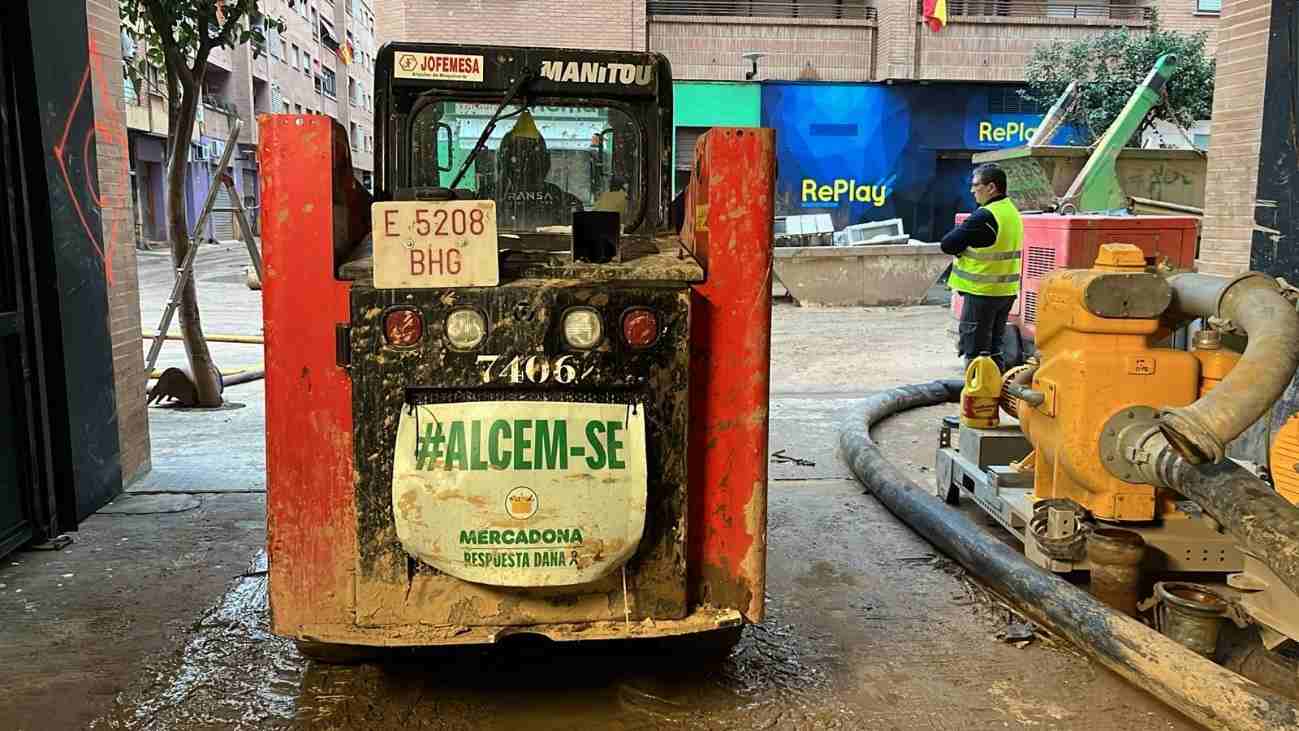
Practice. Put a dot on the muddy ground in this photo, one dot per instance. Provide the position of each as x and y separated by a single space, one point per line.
156 617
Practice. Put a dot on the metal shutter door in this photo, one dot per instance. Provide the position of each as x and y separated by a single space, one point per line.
686 139
223 221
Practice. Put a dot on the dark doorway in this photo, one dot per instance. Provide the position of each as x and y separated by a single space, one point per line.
60 457
25 503
1273 247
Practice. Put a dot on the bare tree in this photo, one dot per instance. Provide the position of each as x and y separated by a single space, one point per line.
181 34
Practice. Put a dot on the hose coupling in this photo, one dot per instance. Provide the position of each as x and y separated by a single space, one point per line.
1134 449
1192 439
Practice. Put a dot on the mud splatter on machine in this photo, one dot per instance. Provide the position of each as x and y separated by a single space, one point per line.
508 395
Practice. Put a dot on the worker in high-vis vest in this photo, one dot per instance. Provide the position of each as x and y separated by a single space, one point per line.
986 271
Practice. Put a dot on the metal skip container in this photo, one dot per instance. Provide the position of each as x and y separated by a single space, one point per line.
1103 177
1037 177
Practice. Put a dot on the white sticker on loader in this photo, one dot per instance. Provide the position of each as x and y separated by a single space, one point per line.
521 493
437 66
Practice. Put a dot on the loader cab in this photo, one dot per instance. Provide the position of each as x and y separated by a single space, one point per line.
569 131
560 378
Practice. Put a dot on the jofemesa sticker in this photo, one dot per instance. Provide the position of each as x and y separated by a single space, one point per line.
438 66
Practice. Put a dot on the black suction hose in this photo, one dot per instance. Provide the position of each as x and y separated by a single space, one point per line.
1204 691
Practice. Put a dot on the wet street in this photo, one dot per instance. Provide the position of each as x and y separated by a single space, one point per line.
867 626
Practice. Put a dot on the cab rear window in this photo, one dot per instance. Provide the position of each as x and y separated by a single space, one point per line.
540 163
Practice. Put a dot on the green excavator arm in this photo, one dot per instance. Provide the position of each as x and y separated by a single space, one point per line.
1097 187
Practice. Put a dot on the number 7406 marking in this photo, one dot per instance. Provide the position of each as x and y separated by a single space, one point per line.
533 369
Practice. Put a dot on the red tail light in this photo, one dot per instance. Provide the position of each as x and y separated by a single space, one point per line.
403 327
640 328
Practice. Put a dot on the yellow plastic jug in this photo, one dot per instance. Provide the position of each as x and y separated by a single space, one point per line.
981 394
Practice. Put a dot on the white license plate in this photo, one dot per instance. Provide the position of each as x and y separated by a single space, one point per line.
421 244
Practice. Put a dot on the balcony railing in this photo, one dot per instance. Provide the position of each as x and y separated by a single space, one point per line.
1046 9
765 8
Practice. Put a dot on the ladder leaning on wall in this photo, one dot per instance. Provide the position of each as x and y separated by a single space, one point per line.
186 269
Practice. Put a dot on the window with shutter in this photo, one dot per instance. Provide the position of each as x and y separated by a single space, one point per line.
686 139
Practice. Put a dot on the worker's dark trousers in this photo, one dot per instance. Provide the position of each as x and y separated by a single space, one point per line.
983 325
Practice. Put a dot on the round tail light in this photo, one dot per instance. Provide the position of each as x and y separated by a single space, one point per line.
466 328
582 328
640 328
403 327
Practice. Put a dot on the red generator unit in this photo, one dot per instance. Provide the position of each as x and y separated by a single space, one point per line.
1054 241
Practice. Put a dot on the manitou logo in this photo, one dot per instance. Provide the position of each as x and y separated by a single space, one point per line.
597 73
439 66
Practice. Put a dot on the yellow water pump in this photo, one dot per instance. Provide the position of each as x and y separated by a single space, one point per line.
1102 369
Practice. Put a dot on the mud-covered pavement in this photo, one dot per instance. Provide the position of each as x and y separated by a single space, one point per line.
867 627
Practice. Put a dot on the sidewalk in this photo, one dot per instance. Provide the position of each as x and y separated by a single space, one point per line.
78 626
195 452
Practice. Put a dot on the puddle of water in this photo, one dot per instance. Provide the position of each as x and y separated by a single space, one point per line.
232 673
613 685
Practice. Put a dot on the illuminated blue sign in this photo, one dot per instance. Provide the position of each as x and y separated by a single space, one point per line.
868 152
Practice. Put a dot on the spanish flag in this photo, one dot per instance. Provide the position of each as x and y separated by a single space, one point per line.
936 14
345 53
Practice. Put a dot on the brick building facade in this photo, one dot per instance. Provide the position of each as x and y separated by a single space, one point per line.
103 25
1238 125
826 40
734 63
73 426
615 24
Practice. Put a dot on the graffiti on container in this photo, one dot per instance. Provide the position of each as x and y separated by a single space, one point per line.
1028 185
107 134
1162 182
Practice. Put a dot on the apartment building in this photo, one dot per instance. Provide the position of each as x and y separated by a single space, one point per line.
322 62
887 40
825 40
863 94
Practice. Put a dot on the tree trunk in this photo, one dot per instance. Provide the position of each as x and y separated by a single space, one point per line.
180 129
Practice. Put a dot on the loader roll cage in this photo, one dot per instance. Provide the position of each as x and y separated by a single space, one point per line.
602 118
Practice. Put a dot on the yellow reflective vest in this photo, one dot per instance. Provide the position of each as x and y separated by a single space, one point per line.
992 271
